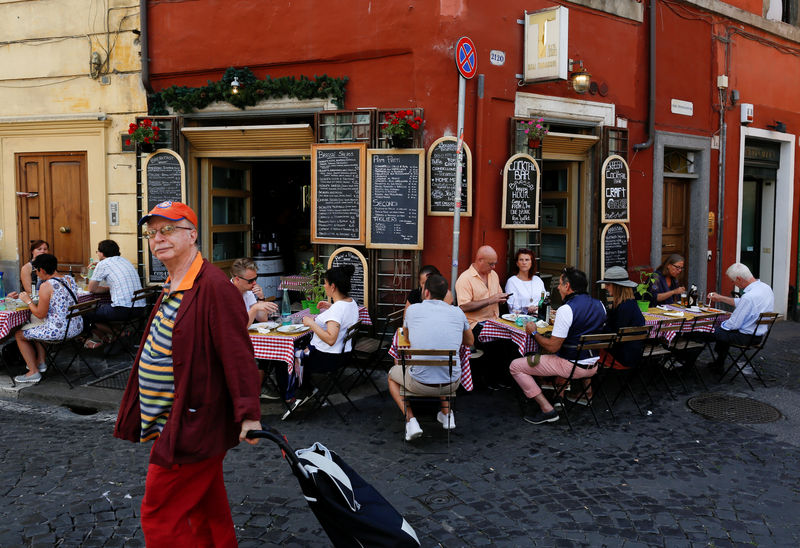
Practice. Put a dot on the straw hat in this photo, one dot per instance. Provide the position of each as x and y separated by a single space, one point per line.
617 275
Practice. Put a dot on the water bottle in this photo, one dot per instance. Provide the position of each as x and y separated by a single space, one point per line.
2 293
541 310
548 308
286 308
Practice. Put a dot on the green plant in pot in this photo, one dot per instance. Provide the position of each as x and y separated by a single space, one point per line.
643 295
317 291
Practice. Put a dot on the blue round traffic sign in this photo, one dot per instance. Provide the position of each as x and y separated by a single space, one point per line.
466 58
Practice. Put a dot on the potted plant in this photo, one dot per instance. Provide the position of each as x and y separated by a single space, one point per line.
145 134
317 291
400 127
644 297
535 130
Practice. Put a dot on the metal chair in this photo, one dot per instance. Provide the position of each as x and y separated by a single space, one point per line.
593 343
747 352
127 333
370 351
627 375
428 358
657 352
54 348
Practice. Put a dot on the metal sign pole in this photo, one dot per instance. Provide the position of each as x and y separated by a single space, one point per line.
462 91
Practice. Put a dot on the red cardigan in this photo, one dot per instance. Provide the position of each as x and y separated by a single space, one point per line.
216 378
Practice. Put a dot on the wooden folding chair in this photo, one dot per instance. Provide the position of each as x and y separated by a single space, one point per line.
593 343
747 352
685 344
657 351
627 375
428 358
54 348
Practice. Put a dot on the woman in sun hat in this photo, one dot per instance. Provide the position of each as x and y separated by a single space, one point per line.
624 312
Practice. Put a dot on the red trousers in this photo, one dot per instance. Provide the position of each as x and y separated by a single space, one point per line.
187 506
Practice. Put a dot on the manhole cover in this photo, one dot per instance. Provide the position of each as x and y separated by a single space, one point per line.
727 408
438 500
116 380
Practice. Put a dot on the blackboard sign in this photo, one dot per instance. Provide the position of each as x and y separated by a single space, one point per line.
614 246
163 178
615 187
394 198
337 193
521 191
358 283
442 175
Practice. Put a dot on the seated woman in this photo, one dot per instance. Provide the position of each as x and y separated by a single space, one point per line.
325 352
415 295
56 295
27 274
665 289
624 312
527 287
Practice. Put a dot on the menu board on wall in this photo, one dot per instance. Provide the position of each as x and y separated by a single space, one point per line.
163 180
358 282
337 193
442 176
521 192
614 188
614 246
394 198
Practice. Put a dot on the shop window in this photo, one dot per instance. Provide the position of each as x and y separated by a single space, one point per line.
679 161
383 140
167 134
615 141
345 126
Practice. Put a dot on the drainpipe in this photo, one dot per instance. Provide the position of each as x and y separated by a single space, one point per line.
723 134
145 52
651 112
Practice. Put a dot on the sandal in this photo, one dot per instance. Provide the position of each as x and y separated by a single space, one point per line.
92 343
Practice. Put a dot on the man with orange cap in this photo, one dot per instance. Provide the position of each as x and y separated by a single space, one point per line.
193 389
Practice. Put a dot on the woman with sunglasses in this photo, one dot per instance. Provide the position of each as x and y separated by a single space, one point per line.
666 288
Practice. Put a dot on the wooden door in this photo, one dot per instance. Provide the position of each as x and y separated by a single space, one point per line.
53 205
675 223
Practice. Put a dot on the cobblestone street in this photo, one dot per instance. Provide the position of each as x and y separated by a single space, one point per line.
672 478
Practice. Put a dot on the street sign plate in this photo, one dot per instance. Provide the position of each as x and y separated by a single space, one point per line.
466 58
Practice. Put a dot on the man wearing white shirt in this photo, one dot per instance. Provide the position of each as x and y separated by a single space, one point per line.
243 276
757 298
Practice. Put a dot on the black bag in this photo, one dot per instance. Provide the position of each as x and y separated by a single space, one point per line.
12 357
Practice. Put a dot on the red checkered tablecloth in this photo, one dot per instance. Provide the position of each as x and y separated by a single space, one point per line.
706 323
296 283
277 346
498 329
463 354
9 319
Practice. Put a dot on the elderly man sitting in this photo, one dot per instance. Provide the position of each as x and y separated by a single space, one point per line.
243 276
433 325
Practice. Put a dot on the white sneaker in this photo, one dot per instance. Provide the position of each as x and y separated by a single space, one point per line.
42 367
413 431
36 377
448 421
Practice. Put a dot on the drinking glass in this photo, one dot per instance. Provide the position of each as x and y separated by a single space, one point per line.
684 299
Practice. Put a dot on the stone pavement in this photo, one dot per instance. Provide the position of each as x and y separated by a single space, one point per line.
672 478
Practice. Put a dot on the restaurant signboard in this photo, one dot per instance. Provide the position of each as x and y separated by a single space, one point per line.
615 190
163 180
614 246
546 39
337 193
442 176
395 201
358 283
521 192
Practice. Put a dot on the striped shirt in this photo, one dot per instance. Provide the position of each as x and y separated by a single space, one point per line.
156 376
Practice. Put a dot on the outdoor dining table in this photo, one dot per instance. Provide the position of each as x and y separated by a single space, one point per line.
710 319
504 329
401 341
278 346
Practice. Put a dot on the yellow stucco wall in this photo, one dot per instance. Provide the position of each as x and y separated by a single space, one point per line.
52 98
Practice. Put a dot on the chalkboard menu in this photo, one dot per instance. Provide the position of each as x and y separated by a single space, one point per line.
394 198
521 192
442 175
163 180
614 246
615 187
358 283
337 190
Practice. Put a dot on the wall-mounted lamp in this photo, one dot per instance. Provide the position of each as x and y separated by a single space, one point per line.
777 126
579 77
235 85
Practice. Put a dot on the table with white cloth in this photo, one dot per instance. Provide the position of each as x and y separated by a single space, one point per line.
401 341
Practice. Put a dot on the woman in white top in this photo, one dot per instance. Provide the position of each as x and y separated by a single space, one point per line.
327 349
527 288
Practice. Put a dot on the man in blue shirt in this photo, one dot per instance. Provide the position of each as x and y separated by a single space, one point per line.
757 297
431 324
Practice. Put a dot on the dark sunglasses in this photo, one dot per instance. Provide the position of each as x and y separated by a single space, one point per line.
250 281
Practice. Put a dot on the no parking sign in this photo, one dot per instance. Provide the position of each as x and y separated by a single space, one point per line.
466 58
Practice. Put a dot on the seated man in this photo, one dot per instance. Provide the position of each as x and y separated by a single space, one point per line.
478 293
243 276
579 315
432 324
121 279
757 298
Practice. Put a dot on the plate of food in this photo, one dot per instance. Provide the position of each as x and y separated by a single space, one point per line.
694 309
674 314
263 325
509 317
293 329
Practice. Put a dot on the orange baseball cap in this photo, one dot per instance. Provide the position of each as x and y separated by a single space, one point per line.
174 211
